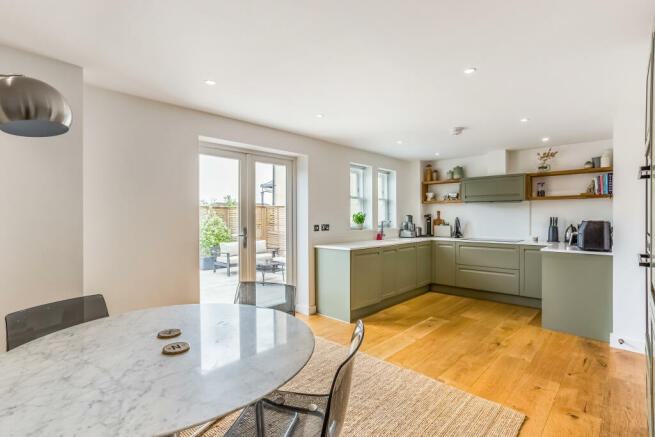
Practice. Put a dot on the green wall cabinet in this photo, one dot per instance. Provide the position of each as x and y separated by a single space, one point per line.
444 262
365 278
531 271
505 188
423 263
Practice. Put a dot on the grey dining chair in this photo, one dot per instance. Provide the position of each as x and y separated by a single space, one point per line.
281 297
31 323
290 414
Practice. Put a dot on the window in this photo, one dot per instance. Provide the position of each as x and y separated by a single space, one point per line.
359 193
386 195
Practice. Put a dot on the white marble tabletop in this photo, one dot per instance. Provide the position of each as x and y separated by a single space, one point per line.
108 377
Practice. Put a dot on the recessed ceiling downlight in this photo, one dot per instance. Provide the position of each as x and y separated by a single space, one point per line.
210 82
545 139
320 115
470 70
399 141
436 154
525 120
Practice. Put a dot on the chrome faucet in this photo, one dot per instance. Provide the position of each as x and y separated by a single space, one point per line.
382 229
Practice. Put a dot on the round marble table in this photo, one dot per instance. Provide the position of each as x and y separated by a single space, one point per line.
109 377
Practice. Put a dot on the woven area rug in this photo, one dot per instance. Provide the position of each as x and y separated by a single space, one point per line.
387 400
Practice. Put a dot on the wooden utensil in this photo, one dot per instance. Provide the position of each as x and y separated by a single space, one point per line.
438 221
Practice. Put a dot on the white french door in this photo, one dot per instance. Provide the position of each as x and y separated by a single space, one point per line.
254 195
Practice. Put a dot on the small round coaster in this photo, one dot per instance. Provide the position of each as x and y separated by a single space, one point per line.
176 348
169 333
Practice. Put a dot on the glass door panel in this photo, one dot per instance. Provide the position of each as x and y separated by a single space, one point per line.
271 193
221 248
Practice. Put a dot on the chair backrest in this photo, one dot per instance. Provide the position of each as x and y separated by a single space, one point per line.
281 297
231 247
335 413
31 323
260 246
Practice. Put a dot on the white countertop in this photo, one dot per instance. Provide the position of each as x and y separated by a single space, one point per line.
565 248
368 244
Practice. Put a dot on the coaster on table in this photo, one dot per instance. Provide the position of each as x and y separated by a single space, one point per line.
176 348
169 333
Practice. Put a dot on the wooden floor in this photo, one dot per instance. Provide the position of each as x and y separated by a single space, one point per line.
565 385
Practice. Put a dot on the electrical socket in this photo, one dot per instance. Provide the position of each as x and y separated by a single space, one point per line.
325 227
317 228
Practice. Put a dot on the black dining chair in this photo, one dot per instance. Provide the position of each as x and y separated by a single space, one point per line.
290 414
280 297
31 323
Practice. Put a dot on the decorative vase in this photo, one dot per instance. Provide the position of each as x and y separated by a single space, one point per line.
429 196
450 174
428 173
606 158
458 172
596 161
544 167
588 164
358 226
435 175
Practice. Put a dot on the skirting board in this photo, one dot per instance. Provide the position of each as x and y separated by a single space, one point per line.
306 309
486 295
629 344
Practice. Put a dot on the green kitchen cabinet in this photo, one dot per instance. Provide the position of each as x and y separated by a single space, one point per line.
502 256
444 263
389 263
505 188
496 280
406 268
365 278
577 294
423 263
531 271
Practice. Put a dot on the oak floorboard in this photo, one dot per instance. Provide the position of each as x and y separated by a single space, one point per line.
566 385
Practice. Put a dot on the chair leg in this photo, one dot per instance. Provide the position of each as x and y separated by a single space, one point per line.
259 417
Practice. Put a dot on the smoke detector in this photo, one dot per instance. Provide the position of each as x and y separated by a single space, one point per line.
457 130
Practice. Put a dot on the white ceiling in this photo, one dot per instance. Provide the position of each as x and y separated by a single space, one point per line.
380 71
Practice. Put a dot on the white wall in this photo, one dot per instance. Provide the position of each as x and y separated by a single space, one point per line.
525 219
141 196
629 290
41 199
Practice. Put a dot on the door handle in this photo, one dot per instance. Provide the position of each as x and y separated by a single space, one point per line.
644 172
644 260
245 237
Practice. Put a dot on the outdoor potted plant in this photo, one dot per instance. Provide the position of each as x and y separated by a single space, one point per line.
359 218
213 232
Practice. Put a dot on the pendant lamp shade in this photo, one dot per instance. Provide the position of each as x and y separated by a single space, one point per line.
32 108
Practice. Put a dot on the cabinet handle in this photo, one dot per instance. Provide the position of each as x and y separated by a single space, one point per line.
644 260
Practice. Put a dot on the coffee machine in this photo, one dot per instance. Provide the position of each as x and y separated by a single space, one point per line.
407 228
428 225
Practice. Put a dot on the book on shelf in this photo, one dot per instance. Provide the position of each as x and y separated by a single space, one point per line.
603 184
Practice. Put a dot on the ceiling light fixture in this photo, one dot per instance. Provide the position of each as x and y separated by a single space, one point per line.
436 154
545 139
457 130
470 70
525 120
399 142
31 108
320 115
210 82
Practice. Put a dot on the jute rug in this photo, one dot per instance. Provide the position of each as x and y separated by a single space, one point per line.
387 400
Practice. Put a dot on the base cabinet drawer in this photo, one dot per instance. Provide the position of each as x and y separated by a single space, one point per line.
488 279
502 256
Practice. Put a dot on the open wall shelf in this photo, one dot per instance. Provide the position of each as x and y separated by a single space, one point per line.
530 176
424 189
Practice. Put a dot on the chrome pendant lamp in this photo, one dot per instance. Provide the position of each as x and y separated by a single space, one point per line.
32 108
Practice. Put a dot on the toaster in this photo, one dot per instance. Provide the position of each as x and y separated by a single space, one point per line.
595 235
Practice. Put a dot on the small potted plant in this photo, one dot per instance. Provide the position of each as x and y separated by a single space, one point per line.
544 159
359 218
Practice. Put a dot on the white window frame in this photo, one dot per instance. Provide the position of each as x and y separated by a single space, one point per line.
389 201
364 195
